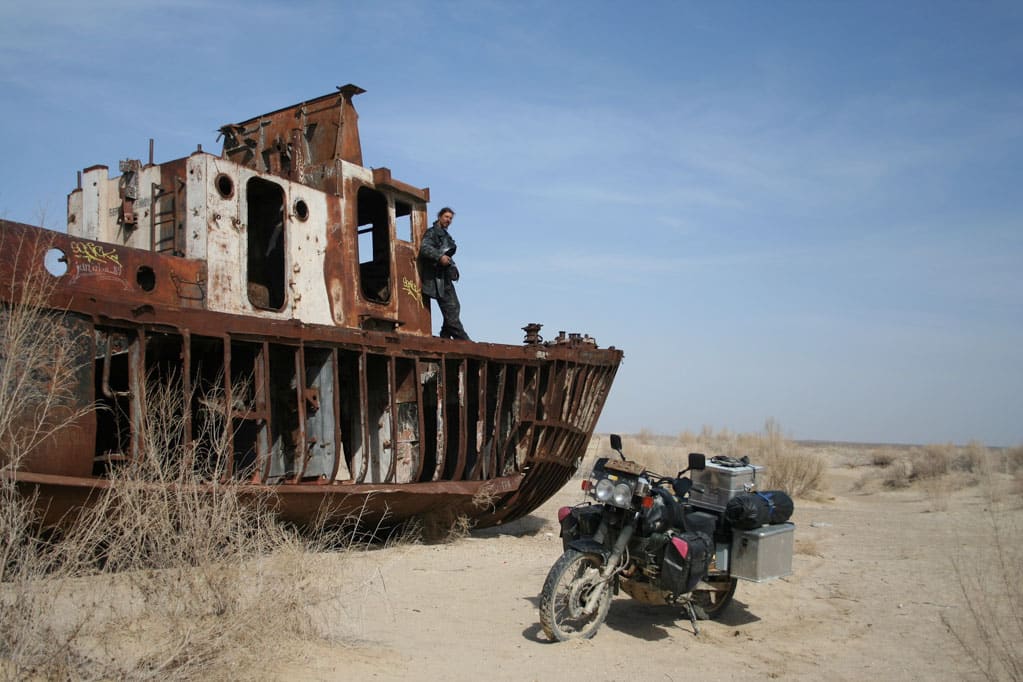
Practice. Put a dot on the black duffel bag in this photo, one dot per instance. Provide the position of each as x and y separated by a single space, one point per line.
747 511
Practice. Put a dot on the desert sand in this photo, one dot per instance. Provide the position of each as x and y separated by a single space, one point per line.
872 579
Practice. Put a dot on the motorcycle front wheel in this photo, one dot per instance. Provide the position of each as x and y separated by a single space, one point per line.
575 599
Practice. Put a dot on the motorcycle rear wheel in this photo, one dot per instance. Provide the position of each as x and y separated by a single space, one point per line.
575 599
712 602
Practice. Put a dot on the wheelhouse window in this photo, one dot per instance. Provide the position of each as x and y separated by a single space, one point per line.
403 221
265 266
374 246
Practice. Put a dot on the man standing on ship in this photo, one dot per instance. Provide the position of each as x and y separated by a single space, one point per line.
439 274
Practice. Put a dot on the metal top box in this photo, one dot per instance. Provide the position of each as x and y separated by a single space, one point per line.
720 483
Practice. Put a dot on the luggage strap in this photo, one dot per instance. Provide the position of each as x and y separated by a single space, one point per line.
726 461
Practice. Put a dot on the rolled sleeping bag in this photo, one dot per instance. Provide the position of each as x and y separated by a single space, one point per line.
780 504
747 511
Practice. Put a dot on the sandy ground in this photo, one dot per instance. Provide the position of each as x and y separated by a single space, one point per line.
872 578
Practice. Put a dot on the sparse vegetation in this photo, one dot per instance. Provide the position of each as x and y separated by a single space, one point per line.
446 526
1014 459
930 465
883 457
168 575
987 556
164 573
988 625
39 357
798 471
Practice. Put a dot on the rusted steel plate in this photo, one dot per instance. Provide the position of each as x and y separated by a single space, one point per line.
101 273
60 496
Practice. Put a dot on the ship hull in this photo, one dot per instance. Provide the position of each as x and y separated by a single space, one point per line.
319 419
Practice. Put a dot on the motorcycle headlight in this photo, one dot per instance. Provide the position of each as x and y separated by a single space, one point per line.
605 489
622 495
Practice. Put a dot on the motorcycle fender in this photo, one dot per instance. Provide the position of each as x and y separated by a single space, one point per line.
590 546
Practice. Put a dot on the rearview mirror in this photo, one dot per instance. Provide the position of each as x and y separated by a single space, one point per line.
697 461
616 442
681 486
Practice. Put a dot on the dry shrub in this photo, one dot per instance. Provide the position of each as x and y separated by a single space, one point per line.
797 473
788 467
1012 460
446 525
685 437
883 457
39 358
989 622
460 528
918 464
41 352
932 460
1015 459
931 465
899 474
166 574
437 527
485 498
974 457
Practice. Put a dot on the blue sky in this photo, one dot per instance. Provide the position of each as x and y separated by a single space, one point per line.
809 211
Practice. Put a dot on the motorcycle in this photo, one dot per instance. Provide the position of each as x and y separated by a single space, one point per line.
683 540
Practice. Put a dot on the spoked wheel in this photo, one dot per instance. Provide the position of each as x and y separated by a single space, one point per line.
713 595
575 600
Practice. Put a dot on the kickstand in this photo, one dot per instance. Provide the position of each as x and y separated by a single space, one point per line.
692 617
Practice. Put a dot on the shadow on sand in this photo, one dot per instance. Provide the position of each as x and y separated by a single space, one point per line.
650 623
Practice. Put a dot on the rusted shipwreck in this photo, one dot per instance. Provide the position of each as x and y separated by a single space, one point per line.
284 270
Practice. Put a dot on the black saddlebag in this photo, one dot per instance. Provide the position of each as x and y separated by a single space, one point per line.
580 522
686 560
705 522
753 510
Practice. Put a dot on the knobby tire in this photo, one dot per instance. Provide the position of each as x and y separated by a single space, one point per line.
567 606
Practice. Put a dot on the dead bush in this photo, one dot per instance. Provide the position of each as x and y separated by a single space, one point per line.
41 352
883 457
974 457
899 474
1013 459
932 460
789 467
166 574
988 624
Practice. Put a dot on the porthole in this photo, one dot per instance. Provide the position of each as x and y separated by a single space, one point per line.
225 186
55 262
146 278
301 210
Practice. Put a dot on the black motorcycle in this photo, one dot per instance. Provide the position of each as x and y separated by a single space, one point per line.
646 537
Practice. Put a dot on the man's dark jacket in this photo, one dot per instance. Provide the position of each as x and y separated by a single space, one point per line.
436 243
